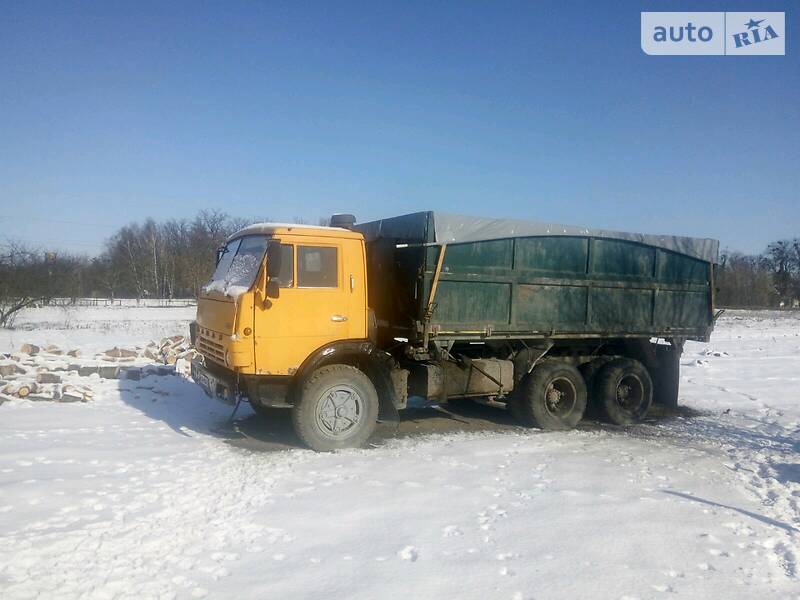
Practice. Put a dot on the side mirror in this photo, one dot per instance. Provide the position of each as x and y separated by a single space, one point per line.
274 256
273 288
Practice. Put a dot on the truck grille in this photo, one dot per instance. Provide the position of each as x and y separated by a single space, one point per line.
209 348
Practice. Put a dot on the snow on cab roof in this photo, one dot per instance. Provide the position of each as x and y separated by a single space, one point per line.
271 228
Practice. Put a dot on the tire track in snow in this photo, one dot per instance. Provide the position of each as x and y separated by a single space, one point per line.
139 538
757 452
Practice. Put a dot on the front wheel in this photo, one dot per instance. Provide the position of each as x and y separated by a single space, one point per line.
337 408
623 390
553 397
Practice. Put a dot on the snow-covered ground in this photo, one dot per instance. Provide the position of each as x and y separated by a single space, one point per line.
97 328
141 494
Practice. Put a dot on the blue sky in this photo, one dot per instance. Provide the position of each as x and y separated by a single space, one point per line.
112 112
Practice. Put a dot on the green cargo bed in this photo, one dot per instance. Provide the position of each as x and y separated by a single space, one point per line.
502 278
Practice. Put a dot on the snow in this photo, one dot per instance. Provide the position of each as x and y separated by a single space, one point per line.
238 279
235 273
145 492
224 286
96 328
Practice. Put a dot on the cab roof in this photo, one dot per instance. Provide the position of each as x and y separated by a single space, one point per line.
295 229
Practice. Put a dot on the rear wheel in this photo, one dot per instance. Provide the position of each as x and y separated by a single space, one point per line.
623 391
337 408
553 397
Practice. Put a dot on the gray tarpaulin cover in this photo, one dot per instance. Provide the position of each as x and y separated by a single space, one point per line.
441 228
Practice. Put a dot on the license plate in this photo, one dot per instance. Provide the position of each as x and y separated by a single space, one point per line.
213 387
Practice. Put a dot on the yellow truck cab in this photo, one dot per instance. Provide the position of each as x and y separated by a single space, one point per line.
315 293
343 324
283 301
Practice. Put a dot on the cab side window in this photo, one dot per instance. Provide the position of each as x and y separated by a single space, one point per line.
286 277
317 267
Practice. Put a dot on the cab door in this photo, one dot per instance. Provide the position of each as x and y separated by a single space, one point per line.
313 307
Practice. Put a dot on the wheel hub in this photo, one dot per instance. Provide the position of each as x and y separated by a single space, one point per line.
560 397
339 411
630 392
553 396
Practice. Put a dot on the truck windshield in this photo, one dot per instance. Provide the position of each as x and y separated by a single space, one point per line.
238 265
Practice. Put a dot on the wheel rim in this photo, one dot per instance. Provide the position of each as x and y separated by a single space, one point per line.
339 411
560 397
630 393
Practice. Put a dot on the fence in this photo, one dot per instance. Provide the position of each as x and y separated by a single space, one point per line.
144 302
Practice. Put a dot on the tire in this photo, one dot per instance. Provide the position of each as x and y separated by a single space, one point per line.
623 391
337 408
553 397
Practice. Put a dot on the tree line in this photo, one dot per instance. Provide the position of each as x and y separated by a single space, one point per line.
770 279
169 259
175 258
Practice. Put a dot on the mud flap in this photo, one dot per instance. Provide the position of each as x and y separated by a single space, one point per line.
666 374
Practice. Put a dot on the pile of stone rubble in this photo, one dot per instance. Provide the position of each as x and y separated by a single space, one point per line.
53 374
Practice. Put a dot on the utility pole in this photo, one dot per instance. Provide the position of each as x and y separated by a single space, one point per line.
50 259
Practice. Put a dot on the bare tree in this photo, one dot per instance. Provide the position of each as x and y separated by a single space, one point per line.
744 281
780 255
30 277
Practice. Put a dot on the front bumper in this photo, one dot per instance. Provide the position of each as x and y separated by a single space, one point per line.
219 387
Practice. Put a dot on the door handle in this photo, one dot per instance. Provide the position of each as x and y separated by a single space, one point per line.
338 318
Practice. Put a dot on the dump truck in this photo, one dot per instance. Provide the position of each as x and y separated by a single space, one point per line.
343 324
